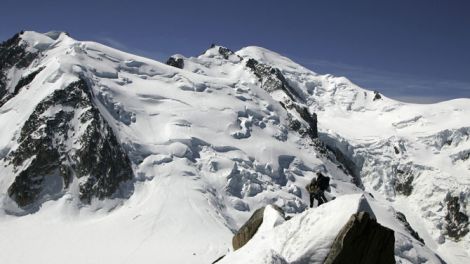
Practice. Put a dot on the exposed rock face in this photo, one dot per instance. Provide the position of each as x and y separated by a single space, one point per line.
347 165
362 241
377 96
456 221
66 137
403 181
13 54
26 80
400 216
225 52
21 83
218 259
175 62
248 230
397 151
271 78
311 120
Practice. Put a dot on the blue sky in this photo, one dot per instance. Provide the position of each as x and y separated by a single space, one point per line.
415 51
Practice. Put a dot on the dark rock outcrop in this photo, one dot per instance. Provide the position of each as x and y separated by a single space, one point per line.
272 79
225 52
456 222
218 259
397 151
377 96
294 124
402 218
403 181
26 80
13 53
311 119
175 62
67 137
309 128
346 164
362 241
21 83
248 230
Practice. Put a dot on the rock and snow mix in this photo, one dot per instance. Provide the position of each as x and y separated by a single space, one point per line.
308 237
182 154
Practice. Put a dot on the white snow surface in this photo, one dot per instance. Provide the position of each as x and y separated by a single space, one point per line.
209 146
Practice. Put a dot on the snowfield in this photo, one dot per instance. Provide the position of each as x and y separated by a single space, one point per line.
209 144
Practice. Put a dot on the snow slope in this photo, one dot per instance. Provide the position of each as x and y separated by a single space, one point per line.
208 146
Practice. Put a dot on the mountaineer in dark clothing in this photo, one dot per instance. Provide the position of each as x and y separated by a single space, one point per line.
317 187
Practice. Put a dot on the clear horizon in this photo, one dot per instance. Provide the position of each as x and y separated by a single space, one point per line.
411 51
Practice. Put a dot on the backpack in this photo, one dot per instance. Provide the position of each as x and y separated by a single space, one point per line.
323 182
312 187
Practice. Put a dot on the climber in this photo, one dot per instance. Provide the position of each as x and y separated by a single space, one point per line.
317 187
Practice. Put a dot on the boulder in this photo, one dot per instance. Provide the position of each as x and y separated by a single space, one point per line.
249 229
362 241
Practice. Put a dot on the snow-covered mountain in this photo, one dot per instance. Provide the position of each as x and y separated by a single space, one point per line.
108 157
